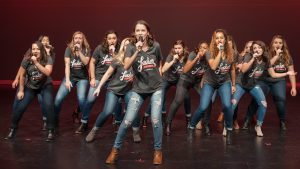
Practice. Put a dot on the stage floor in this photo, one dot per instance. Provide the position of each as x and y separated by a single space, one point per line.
183 149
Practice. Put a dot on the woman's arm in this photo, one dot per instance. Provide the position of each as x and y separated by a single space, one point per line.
92 72
68 83
20 94
105 77
293 81
17 79
128 61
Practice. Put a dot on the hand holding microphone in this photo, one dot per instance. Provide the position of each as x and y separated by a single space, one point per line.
111 49
221 47
33 58
255 55
279 52
77 46
140 42
176 57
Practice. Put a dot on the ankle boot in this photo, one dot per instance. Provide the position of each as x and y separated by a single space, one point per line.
82 128
224 133
157 158
199 125
168 129
228 137
236 125
50 136
282 125
188 121
145 118
246 124
11 134
91 136
259 133
44 127
207 130
220 117
136 135
113 156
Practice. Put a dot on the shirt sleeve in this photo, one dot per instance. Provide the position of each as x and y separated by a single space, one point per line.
68 52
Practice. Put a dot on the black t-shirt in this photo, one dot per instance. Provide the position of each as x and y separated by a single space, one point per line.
102 62
279 67
255 73
173 73
197 71
239 73
35 78
77 69
146 68
219 76
121 79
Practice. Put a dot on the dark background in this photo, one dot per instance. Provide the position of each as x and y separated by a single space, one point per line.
190 20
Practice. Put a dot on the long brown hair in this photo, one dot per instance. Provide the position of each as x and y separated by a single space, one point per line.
285 50
105 45
150 38
43 58
85 44
185 53
214 49
265 56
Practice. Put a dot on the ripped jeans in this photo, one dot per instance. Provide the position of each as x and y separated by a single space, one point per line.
133 107
257 94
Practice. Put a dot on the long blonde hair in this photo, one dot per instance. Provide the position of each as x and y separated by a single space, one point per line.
85 44
121 54
227 49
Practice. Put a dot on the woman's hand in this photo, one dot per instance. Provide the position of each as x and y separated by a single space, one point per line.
20 95
68 85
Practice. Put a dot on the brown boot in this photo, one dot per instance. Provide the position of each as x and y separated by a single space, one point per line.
221 117
157 159
113 156
236 125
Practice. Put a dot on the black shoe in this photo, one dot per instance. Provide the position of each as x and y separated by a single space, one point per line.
168 129
82 128
11 134
282 125
50 136
207 130
229 137
246 124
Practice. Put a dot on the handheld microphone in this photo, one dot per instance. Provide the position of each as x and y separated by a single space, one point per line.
76 48
221 47
141 40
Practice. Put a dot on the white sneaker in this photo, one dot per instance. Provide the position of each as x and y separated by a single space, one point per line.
259 133
224 132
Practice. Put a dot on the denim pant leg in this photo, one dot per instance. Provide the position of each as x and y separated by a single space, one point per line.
252 107
20 106
133 107
110 103
82 88
278 90
90 100
156 106
236 97
40 100
118 111
260 99
47 104
224 92
59 98
206 94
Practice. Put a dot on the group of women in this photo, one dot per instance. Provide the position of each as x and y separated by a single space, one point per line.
132 70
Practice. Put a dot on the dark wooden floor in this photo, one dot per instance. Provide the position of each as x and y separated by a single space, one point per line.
182 150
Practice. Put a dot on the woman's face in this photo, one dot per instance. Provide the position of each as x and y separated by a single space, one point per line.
45 41
220 38
178 49
277 43
203 47
112 39
247 47
78 39
35 50
257 49
141 31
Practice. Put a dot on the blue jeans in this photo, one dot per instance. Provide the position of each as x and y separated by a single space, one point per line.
166 87
90 101
63 92
133 107
20 106
206 95
111 101
257 94
278 91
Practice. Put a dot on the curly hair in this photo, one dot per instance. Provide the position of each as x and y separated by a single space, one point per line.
105 45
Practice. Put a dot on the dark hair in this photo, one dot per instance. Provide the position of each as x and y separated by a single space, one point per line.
150 38
105 45
44 59
185 49
198 46
264 48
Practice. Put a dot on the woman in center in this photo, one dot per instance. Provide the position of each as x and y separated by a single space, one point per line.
144 55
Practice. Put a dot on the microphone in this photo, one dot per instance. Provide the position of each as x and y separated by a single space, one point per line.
76 47
221 46
141 40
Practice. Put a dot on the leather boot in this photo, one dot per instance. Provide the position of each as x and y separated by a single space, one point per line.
168 129
199 125
82 128
145 118
91 136
50 136
228 137
236 125
11 134
220 117
157 158
113 156
259 133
